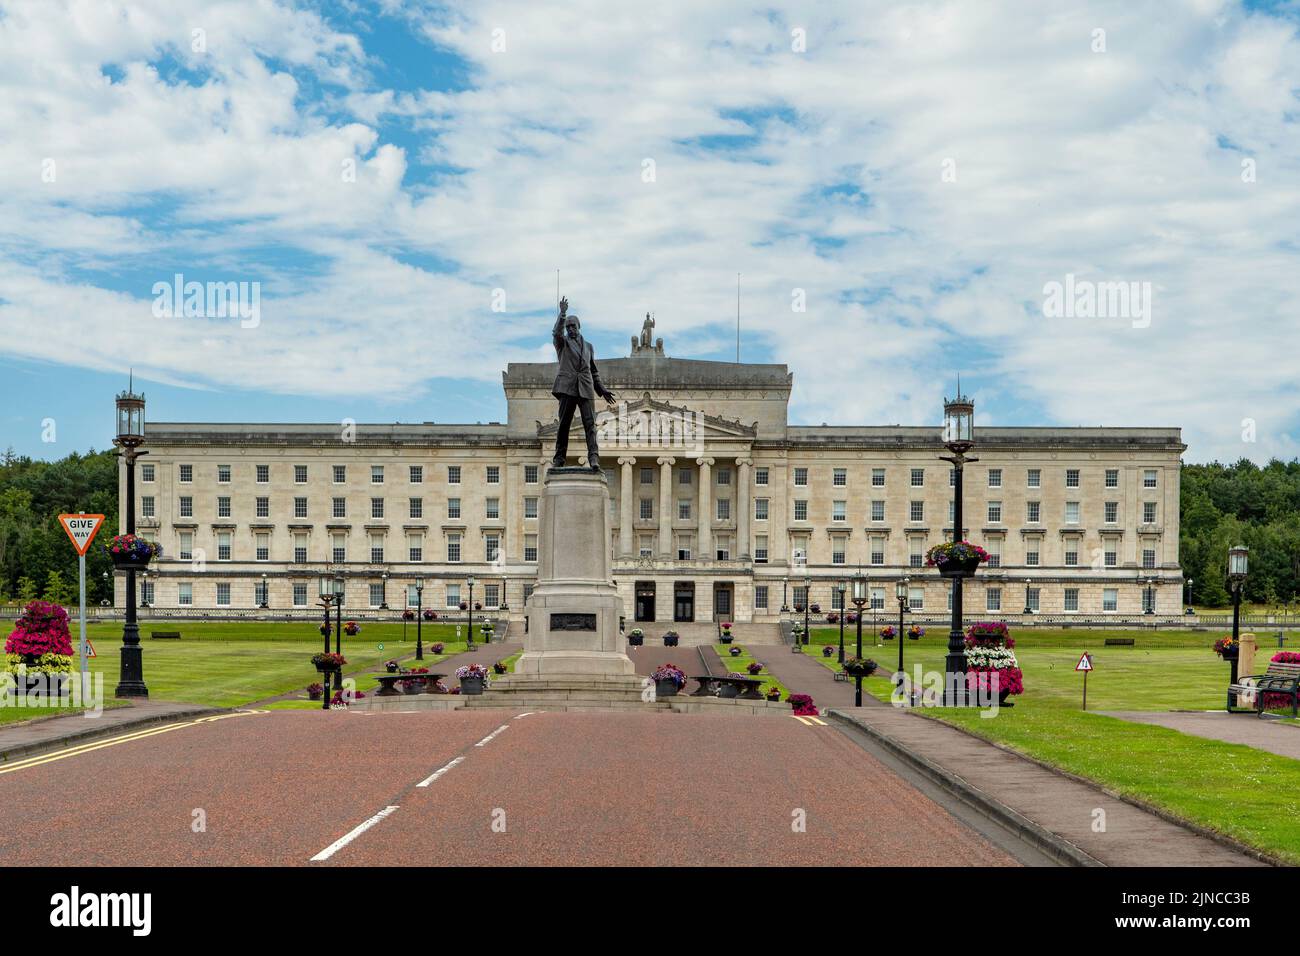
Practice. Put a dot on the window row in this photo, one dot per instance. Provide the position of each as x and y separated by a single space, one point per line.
339 474
338 551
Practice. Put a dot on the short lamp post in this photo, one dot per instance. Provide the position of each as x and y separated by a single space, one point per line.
785 595
266 593
325 589
807 603
419 618
859 599
144 588
1238 561
959 439
383 594
842 589
469 646
900 592
130 436
1187 600
1029 608
1149 596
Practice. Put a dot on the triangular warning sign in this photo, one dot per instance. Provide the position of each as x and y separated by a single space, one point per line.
1085 663
90 649
81 529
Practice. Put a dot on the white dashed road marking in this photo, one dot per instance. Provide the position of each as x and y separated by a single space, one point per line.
489 737
343 841
439 772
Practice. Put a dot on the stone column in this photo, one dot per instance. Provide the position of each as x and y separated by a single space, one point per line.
705 546
744 507
666 507
625 509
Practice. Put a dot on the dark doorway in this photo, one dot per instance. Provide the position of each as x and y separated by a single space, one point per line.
645 600
684 602
722 601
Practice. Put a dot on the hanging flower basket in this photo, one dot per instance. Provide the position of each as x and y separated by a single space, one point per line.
636 637
827 650
888 633
352 628
328 662
430 615
958 559
915 632
130 552
859 666
408 615
1227 648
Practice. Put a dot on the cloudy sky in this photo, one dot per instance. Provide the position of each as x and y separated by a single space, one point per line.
897 184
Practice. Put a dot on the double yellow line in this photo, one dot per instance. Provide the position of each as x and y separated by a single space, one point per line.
114 741
809 721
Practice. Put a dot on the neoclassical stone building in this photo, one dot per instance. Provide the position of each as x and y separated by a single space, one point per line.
719 507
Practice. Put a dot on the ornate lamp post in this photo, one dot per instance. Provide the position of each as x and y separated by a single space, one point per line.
1187 601
959 439
266 592
807 603
339 588
469 645
325 590
1238 559
130 436
842 589
859 599
144 588
383 595
419 618
1028 610
900 592
785 592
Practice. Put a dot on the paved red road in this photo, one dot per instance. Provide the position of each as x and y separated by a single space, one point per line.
600 789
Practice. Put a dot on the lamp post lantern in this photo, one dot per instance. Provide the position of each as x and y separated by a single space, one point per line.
900 592
130 436
469 646
1238 560
959 439
419 617
859 599
842 590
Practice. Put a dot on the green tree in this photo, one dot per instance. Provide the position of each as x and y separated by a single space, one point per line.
26 589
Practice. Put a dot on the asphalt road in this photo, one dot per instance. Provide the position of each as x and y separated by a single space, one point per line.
483 787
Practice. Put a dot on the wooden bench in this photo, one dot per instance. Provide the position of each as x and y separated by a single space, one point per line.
1119 642
745 688
387 682
1278 679
165 635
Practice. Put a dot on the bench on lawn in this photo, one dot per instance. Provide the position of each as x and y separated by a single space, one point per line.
165 635
745 688
387 681
1119 642
1280 678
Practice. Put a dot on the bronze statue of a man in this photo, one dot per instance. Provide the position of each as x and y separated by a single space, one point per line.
577 383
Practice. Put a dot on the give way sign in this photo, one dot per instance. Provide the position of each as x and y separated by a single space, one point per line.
81 529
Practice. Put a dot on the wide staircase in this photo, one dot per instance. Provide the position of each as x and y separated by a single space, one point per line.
706 632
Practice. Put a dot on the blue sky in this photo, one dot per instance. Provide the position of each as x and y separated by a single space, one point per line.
898 186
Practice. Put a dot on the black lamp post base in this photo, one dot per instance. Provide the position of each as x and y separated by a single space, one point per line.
131 677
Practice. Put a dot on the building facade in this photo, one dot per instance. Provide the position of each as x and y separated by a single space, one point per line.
719 507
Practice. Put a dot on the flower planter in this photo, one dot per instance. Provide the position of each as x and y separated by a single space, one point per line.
735 652
471 685
327 668
1002 699
129 562
413 686
315 694
391 668
959 569
726 638
636 640
41 684
827 651
1231 654
666 688
728 690
671 641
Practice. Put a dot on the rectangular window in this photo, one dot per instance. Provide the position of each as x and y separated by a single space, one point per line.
186 473
800 477
417 508
186 546
918 477
645 545
877 511
877 599
340 474
415 547
916 511
494 474
492 508
1148 512
1034 478
994 548
1110 512
376 474
339 508
300 549
992 599
1032 546
683 476
760 476
146 473
995 512
1072 478
801 511
877 477
492 544
530 474
453 474
262 507
916 552
186 507
1072 512
647 476
377 549
1031 599
262 547
995 477
147 506
415 474
684 543
223 546
1149 478
223 595
1112 477
724 509
840 477
1148 558
223 507
300 595
263 474
877 549
223 474
339 548
453 508
300 474
300 507
453 595
722 550
1033 512
837 549
530 507
185 595
453 548
491 595
915 600
530 548
1071 599
839 510
760 509
376 595
760 549
760 597
684 510
1110 599
376 507
1072 552
1109 555
647 511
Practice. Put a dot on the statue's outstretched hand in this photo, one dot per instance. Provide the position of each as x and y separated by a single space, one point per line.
564 305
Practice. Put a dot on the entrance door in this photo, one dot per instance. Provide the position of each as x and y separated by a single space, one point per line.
722 602
645 600
684 602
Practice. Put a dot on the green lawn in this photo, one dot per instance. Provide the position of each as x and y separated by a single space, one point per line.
742 660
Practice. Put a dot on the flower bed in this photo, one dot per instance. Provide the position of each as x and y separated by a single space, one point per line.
1281 700
991 665
40 642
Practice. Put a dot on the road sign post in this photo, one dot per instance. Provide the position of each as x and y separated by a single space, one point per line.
81 529
1085 665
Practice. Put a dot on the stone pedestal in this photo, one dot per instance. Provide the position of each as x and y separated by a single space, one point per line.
574 610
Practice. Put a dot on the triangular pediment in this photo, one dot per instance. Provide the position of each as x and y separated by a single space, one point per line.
650 420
